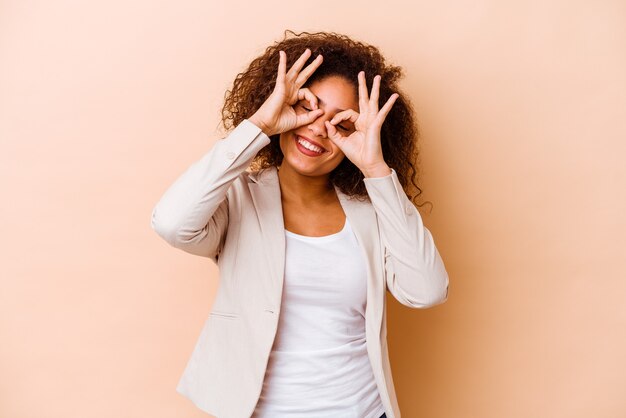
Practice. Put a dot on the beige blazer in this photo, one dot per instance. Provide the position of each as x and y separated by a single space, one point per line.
218 209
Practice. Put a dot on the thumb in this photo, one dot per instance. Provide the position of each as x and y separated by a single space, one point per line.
334 135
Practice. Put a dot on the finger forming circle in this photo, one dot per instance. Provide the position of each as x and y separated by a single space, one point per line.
348 114
306 94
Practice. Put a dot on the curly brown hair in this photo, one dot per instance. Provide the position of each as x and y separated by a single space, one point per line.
342 57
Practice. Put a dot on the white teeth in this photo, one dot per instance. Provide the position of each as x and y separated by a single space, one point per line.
306 144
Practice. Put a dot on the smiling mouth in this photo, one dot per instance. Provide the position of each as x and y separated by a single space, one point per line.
308 148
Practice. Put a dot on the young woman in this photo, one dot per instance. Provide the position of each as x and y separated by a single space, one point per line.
309 239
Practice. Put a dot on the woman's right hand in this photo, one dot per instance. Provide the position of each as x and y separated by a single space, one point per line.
276 114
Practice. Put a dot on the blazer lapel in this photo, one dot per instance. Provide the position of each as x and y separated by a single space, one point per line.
265 191
362 217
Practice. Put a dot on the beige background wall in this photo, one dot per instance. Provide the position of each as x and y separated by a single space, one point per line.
522 107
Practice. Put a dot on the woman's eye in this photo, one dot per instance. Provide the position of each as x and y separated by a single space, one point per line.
345 129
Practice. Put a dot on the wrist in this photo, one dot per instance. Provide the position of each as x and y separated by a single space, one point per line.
260 125
381 170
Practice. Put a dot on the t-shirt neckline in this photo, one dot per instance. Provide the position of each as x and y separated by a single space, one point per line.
323 238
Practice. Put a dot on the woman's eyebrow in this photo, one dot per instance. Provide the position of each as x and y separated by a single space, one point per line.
320 101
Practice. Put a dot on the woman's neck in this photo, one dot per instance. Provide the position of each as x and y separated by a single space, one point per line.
304 190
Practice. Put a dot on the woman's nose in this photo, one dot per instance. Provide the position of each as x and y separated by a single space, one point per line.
317 127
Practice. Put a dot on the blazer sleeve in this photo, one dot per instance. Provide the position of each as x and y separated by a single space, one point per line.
192 214
415 273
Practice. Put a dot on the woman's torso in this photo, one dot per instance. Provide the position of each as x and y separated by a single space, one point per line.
319 362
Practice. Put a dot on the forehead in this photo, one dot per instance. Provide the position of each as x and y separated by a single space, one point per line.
335 93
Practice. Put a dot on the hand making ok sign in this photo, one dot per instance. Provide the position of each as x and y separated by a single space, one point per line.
362 147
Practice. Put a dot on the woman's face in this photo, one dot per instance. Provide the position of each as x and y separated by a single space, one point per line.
334 94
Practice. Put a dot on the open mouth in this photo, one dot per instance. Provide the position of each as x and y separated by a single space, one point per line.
308 148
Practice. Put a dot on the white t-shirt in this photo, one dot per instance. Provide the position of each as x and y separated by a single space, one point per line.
319 366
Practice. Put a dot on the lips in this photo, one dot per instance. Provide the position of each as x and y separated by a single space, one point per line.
312 142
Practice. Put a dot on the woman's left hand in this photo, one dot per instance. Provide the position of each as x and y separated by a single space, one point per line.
362 147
